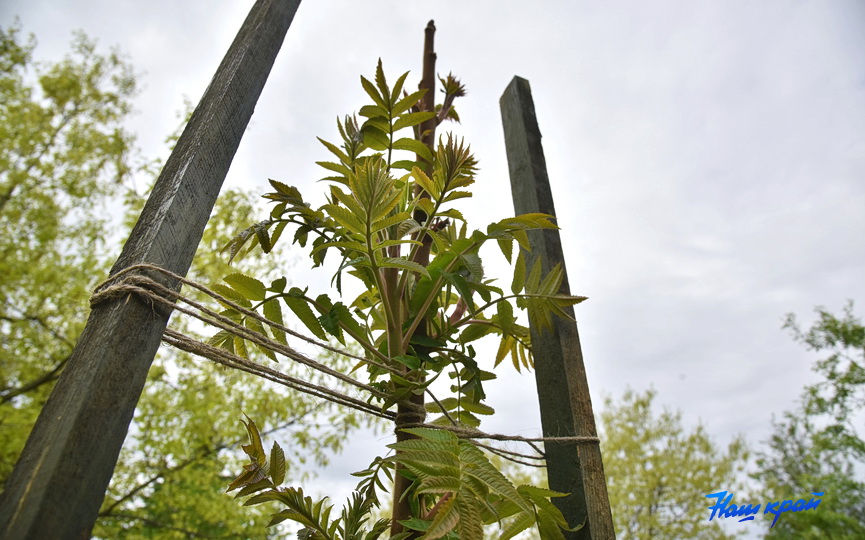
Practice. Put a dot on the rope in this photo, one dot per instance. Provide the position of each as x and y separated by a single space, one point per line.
148 288
231 360
471 433
110 289
155 294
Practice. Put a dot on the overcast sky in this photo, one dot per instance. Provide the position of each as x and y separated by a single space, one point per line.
707 160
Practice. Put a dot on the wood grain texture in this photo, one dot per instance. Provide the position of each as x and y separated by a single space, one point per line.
560 374
59 482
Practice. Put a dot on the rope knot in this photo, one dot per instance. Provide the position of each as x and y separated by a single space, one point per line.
131 280
410 414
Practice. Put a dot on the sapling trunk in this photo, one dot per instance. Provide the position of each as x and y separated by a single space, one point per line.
411 413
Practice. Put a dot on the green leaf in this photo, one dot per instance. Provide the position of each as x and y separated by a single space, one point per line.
519 281
454 195
278 285
372 111
267 496
473 332
281 516
425 182
330 322
522 522
220 339
390 221
230 294
462 286
277 464
397 88
505 346
247 286
470 526
277 232
256 326
249 489
263 238
552 282
240 347
411 362
505 316
412 119
273 313
251 475
548 528
404 164
522 239
375 138
403 264
478 408
348 321
372 92
453 213
415 524
412 145
255 450
345 217
335 151
408 102
381 82
468 419
474 266
439 484
236 244
507 247
426 205
445 520
350 202
447 404
343 246
298 304
407 227
425 285
338 168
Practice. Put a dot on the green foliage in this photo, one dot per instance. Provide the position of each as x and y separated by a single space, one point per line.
63 156
470 493
391 223
261 480
473 491
818 447
658 474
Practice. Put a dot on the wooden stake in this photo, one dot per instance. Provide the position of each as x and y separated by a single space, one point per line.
563 390
58 484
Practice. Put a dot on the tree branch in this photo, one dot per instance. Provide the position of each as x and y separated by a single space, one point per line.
8 394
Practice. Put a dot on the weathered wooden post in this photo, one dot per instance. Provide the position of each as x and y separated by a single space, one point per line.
563 390
59 482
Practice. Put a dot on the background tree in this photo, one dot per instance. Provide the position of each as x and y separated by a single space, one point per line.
817 447
658 474
64 157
